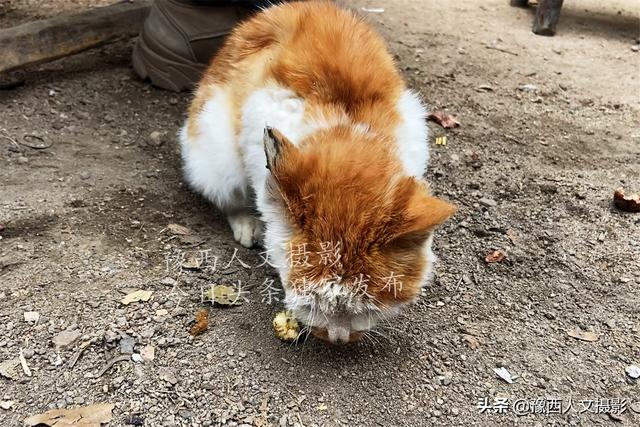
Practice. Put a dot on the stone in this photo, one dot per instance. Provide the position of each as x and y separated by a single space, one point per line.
490 203
446 378
168 281
66 338
528 88
155 138
633 371
169 376
187 415
134 420
126 344
31 316
111 336
148 353
148 332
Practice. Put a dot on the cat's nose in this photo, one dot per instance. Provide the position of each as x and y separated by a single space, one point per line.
338 334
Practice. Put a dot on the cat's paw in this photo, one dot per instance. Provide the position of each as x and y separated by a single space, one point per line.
247 229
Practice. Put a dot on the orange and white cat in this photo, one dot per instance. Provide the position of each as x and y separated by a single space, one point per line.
303 132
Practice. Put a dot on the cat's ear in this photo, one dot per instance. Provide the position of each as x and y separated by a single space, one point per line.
283 181
276 147
420 212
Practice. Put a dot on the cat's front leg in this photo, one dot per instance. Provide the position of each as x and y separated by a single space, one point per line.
247 228
213 163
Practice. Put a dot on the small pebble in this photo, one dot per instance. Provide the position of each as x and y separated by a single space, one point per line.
66 338
633 371
155 138
490 203
126 345
528 88
31 316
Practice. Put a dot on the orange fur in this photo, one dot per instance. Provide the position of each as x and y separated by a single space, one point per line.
341 184
381 221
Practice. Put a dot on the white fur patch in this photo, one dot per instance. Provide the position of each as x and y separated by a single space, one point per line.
333 305
212 163
412 134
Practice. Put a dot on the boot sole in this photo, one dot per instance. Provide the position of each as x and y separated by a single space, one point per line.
162 71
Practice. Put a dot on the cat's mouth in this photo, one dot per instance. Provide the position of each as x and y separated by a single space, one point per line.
323 334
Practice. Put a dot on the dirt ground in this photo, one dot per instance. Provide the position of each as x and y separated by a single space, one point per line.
550 127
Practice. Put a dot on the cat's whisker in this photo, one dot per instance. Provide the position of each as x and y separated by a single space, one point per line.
387 326
374 332
368 338
309 323
373 339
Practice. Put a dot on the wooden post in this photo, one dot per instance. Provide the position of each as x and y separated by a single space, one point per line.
519 3
49 39
547 17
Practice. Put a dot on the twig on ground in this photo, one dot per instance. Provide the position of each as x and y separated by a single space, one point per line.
501 49
112 362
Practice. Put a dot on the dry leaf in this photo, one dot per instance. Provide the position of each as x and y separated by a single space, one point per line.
495 256
136 296
581 335
286 326
222 295
445 120
179 230
626 203
472 342
202 322
85 416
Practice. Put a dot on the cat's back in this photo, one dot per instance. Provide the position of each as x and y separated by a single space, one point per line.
325 54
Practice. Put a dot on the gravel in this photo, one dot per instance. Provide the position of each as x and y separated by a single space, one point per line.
532 179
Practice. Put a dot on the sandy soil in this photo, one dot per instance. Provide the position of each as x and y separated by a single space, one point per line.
532 172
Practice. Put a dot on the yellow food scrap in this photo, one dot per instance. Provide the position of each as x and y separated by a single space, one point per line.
286 326
441 140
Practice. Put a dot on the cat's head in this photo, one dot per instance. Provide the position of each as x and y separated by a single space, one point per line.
351 230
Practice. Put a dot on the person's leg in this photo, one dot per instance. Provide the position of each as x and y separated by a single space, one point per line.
180 37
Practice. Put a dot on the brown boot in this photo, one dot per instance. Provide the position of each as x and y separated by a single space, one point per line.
179 39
